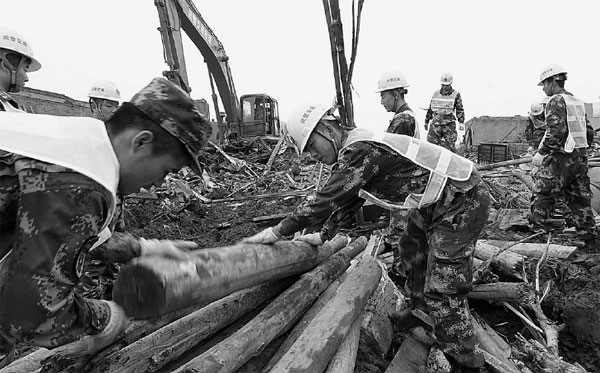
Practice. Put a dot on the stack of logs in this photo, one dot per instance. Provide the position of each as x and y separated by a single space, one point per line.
224 306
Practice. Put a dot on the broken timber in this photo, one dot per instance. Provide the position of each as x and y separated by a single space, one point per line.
276 319
534 250
149 286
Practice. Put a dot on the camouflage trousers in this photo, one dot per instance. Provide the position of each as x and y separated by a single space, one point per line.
97 280
443 134
563 181
436 250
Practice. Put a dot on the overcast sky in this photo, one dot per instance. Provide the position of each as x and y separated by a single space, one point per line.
495 49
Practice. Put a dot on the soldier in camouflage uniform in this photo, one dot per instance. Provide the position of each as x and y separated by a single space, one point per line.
16 60
57 201
562 161
536 126
445 102
392 88
445 219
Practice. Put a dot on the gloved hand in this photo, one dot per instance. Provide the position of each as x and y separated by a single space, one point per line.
538 159
426 126
265 236
118 321
461 126
311 238
167 248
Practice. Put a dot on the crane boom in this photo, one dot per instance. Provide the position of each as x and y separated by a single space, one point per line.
182 14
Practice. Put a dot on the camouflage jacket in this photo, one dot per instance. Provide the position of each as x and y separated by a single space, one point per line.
447 118
401 123
557 128
362 165
49 218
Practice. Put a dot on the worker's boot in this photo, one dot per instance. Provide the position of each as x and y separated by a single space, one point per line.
408 319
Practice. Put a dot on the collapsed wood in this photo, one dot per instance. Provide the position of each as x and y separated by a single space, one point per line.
150 287
519 292
277 318
313 349
344 359
506 262
534 249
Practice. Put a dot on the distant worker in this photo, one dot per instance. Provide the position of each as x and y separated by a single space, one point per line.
60 180
392 88
536 126
445 103
445 219
104 98
16 60
563 163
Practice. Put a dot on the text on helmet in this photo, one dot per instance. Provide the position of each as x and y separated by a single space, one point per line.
307 114
15 39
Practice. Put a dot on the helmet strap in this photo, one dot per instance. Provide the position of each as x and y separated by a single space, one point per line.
98 107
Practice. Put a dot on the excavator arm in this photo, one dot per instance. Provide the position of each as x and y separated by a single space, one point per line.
176 15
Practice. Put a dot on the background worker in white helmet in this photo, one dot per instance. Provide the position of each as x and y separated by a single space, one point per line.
563 163
445 108
536 126
444 222
104 98
16 60
392 87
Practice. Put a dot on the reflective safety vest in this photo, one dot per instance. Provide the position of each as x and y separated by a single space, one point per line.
411 114
441 104
441 162
7 104
536 122
81 144
576 122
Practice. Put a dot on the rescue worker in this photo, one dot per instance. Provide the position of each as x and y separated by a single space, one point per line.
59 195
104 98
16 60
445 108
392 88
536 126
562 161
444 222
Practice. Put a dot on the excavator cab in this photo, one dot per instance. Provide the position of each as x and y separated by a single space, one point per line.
259 116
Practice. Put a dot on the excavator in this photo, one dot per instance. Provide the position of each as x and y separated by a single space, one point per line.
252 115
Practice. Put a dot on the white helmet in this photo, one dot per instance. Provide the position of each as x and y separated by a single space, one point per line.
550 71
391 80
536 108
446 79
106 90
12 41
302 122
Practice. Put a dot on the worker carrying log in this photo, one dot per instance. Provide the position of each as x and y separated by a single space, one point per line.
445 103
60 177
563 162
392 87
16 60
444 222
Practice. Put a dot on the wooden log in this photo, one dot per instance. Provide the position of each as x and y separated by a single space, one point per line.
549 362
313 350
505 262
512 162
276 319
377 331
170 342
518 292
344 360
411 355
498 351
534 250
28 363
150 286
70 358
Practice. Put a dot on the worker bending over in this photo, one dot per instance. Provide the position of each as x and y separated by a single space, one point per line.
536 126
58 196
16 60
445 219
445 103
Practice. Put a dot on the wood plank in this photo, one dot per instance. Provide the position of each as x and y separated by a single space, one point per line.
535 250
411 355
